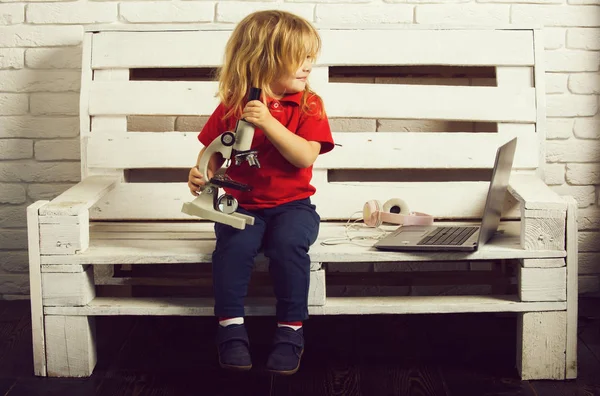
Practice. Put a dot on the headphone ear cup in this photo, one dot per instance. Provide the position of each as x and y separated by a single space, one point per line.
396 206
372 213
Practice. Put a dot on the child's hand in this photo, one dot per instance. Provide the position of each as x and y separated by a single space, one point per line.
257 113
195 180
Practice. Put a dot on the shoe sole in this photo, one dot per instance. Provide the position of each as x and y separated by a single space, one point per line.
235 368
288 372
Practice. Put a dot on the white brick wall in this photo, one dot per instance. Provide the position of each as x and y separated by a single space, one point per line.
71 13
364 13
137 12
40 56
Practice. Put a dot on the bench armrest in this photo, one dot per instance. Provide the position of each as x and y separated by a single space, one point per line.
64 225
543 213
534 194
80 197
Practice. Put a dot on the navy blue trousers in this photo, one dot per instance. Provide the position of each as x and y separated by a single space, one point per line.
284 233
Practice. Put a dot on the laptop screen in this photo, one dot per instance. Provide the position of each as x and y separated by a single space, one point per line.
497 191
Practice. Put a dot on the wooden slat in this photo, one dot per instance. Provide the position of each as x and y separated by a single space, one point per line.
434 102
543 263
437 46
387 150
433 47
319 78
260 281
68 288
153 98
360 150
153 230
66 234
543 284
169 49
103 27
516 77
391 278
133 250
339 200
461 200
64 268
102 306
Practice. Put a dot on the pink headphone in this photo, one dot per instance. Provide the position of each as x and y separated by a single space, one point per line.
394 211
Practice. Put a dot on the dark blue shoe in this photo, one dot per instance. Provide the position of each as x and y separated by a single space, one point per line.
233 348
288 347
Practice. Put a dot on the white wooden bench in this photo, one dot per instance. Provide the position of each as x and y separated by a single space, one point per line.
106 222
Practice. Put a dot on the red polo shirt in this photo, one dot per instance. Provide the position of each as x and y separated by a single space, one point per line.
277 181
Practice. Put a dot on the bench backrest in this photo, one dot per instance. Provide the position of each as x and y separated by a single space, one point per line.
434 171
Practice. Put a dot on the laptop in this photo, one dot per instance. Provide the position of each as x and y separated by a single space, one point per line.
460 238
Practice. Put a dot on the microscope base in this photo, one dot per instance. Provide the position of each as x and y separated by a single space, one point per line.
202 207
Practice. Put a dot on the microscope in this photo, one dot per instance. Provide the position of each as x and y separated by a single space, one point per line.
208 204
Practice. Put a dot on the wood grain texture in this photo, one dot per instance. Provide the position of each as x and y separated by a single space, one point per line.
533 193
543 233
71 346
543 284
75 289
541 345
65 234
80 197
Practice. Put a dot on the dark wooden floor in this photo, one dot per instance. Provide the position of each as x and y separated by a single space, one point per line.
458 355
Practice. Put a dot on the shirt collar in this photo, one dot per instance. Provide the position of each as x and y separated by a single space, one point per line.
293 98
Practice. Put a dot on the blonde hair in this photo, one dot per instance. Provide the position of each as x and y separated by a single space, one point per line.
265 46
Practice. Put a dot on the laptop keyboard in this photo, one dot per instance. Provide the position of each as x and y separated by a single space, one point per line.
448 236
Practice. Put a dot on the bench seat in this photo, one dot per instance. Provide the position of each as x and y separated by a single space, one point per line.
165 243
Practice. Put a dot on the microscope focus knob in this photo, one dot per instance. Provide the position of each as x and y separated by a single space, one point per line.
227 204
228 139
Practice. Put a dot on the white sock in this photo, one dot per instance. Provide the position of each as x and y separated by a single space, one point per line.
231 321
290 326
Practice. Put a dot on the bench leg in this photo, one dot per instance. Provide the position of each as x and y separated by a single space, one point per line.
35 289
316 291
541 345
70 345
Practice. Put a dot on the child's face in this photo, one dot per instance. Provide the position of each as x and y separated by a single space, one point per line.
295 83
